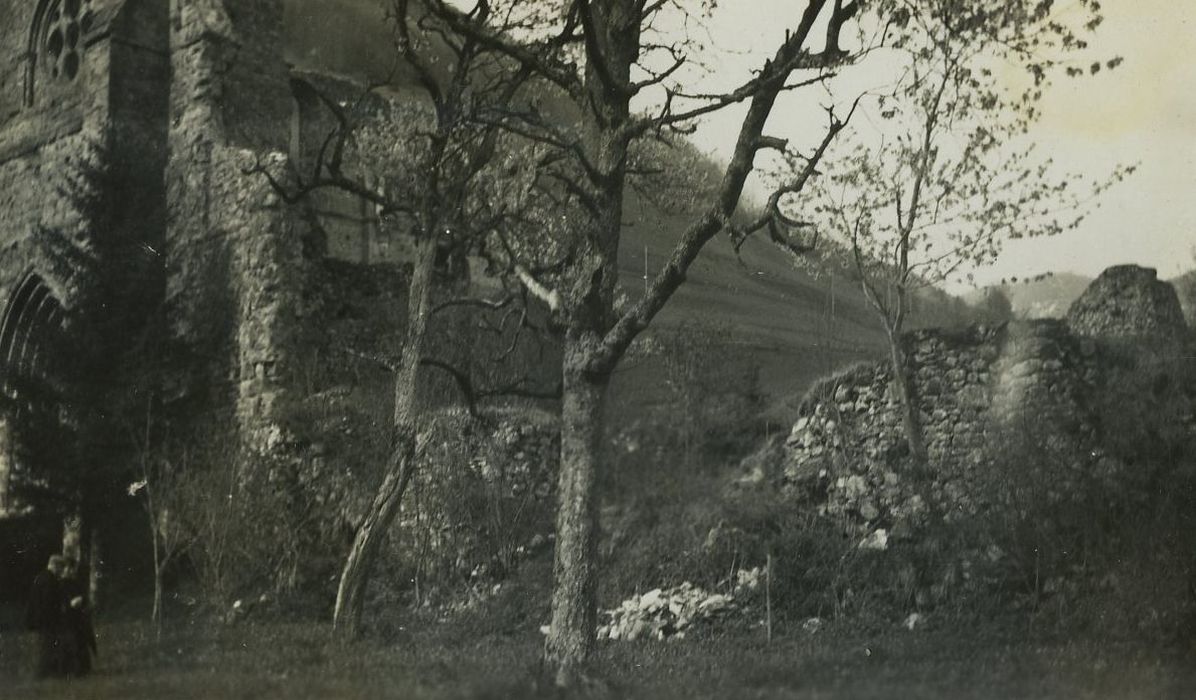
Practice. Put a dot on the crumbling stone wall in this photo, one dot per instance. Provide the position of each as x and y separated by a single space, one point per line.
848 446
1034 381
235 260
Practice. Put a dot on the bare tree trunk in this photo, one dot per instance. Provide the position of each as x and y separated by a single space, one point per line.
575 569
574 623
156 611
911 419
594 346
350 596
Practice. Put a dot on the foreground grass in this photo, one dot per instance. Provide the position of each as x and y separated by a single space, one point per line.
464 657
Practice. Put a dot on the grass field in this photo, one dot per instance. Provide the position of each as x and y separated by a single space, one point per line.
459 658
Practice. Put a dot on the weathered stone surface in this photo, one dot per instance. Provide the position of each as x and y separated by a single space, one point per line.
1036 378
185 97
1128 301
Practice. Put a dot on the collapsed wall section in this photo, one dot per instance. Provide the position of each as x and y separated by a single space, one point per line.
974 389
1044 386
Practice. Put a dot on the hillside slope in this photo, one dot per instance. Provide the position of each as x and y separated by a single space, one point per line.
778 316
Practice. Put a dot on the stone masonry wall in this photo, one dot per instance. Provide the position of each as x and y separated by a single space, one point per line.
234 249
76 82
44 123
971 387
48 123
977 390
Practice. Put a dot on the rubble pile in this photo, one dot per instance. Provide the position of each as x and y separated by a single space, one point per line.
669 613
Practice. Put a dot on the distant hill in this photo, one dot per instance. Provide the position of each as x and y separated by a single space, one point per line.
1050 296
1047 296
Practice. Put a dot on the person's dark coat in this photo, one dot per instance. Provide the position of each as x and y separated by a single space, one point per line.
82 647
46 616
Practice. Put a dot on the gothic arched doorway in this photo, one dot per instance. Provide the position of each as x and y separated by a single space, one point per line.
32 335
30 332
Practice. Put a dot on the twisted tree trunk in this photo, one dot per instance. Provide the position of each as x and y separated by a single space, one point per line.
350 594
400 467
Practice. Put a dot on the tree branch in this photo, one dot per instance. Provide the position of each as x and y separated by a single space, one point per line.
672 275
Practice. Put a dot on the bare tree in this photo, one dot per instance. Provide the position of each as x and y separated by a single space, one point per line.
946 173
431 170
601 56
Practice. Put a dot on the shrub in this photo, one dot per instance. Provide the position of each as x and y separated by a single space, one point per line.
481 502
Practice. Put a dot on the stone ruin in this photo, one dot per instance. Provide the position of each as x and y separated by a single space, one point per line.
1128 301
976 389
179 101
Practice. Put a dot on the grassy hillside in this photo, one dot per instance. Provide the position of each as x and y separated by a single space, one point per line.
778 315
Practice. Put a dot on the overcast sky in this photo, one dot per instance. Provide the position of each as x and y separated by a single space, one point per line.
1144 112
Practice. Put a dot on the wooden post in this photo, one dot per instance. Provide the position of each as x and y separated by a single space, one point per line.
768 598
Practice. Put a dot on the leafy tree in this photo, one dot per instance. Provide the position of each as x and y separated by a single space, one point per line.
948 173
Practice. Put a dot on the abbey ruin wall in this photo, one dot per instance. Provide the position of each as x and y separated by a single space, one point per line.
979 392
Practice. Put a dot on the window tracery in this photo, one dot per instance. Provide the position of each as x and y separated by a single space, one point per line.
61 33
56 43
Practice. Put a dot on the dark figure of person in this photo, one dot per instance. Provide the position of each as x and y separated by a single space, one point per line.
46 616
81 647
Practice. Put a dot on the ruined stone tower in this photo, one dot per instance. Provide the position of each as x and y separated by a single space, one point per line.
233 258
1130 302
178 100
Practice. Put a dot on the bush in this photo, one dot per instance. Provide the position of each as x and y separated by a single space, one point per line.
481 502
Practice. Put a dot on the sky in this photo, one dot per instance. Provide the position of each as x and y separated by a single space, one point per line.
1143 112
